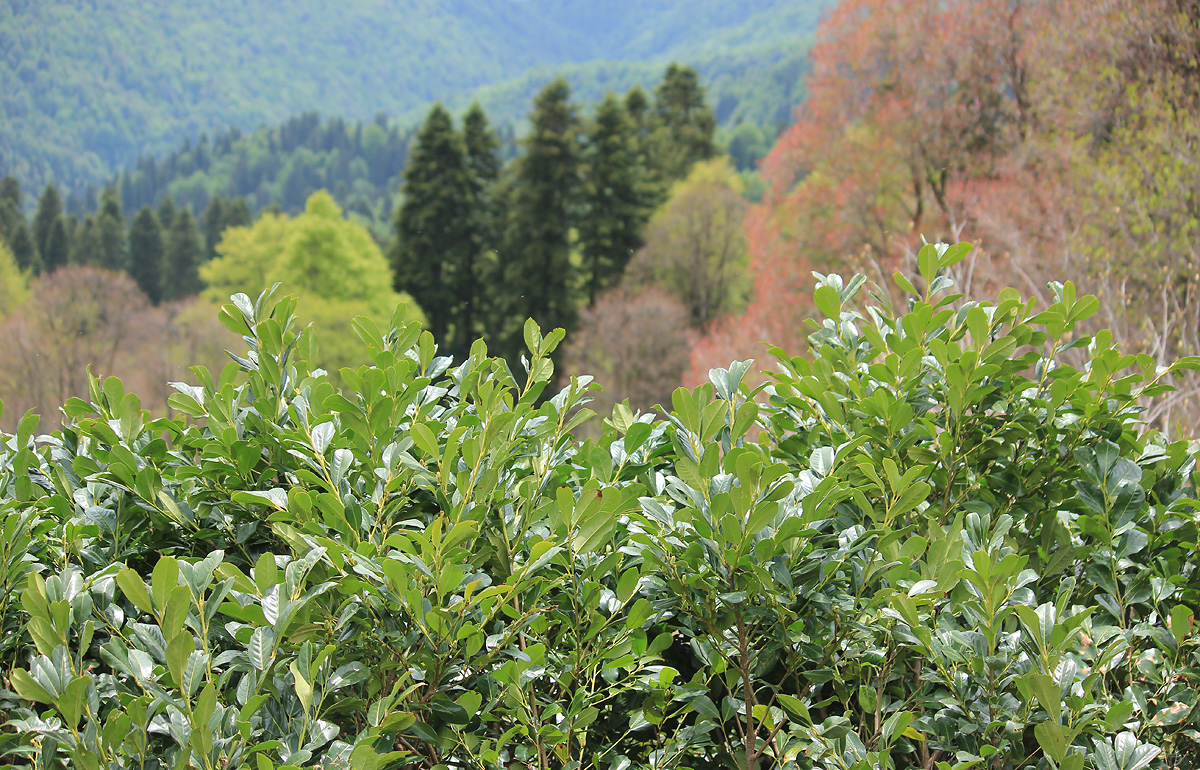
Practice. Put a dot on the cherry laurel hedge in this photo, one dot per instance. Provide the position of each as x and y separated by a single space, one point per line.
945 541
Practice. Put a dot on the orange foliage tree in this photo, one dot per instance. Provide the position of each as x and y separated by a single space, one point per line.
1059 136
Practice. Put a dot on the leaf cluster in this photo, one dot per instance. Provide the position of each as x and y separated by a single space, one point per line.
936 544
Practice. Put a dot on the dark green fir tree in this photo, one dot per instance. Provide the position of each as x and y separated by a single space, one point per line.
165 211
86 243
10 190
49 210
683 125
483 166
24 249
113 251
614 210
10 208
538 275
146 254
181 276
433 243
58 247
235 213
637 106
214 223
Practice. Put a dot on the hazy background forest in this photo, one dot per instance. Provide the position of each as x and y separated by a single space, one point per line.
659 178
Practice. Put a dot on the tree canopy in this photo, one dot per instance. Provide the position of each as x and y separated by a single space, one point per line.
329 262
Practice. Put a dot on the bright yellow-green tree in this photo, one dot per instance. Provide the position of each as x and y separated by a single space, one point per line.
695 246
330 263
14 288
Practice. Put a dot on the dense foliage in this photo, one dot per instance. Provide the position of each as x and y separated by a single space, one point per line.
88 87
329 263
1061 136
282 165
944 541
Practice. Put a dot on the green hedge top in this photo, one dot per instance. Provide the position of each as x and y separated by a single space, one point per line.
944 541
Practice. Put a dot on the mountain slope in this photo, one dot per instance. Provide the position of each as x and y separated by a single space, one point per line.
86 87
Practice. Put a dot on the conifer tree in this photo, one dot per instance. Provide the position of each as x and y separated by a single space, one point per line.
539 276
482 146
110 232
85 245
11 221
614 212
235 213
483 165
433 242
58 247
24 249
165 211
10 208
49 209
183 251
10 190
683 125
214 219
637 105
146 254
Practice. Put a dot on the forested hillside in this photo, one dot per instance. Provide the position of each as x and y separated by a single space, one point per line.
487 233
361 163
89 88
358 163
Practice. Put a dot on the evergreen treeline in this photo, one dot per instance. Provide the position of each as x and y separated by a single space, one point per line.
161 248
482 248
479 244
357 162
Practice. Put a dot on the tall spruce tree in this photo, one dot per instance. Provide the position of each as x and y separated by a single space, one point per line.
181 276
110 232
58 247
235 213
637 105
49 209
23 248
434 249
86 243
165 211
483 166
146 254
214 223
10 207
483 146
683 125
10 190
614 209
539 276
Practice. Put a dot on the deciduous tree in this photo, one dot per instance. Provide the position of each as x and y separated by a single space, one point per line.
14 284
331 264
695 244
635 342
